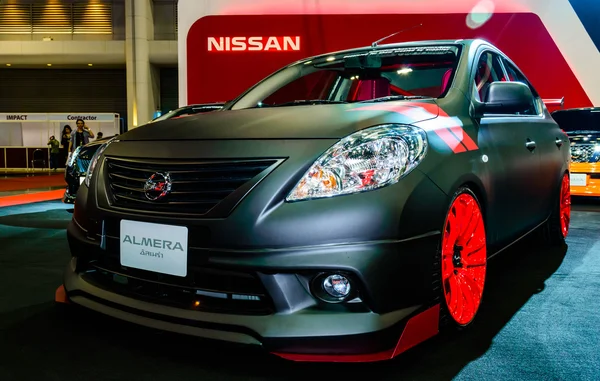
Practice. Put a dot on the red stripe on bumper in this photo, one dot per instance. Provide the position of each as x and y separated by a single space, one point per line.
60 296
418 329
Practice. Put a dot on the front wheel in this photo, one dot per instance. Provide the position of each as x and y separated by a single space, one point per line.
463 260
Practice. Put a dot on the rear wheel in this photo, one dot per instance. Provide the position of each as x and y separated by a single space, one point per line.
463 260
556 229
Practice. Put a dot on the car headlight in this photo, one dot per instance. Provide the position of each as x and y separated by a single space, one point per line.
368 159
73 157
94 161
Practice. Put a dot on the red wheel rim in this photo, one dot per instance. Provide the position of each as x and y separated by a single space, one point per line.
464 259
565 205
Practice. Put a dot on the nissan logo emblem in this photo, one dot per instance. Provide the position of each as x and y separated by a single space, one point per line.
158 186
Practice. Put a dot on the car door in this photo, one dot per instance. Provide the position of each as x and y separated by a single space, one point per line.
509 149
550 142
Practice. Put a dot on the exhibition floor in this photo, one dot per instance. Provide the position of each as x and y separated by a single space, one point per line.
29 188
539 320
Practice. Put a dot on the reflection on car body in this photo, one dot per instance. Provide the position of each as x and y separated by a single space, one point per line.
189 110
342 209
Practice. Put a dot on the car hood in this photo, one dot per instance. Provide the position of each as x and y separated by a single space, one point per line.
294 122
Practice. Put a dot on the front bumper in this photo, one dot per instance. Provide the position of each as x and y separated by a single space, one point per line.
297 326
592 179
252 260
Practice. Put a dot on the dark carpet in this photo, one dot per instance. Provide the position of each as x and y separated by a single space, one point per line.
539 321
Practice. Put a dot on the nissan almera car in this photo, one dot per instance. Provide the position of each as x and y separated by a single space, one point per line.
342 209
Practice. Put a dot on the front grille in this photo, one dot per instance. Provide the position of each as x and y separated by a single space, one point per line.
203 289
585 153
196 188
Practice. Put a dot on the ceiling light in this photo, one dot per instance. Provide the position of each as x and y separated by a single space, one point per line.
405 70
90 64
8 65
49 64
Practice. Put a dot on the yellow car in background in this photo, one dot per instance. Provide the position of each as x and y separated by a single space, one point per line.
583 128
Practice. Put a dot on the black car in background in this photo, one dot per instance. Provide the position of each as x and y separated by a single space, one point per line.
78 163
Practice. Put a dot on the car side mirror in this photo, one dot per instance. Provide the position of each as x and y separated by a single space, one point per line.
506 98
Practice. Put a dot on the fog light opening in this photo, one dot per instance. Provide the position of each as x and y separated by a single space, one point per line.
337 286
334 287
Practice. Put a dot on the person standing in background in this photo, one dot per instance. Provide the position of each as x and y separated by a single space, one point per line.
54 152
80 137
65 139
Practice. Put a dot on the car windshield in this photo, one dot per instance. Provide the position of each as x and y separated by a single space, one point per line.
578 121
363 76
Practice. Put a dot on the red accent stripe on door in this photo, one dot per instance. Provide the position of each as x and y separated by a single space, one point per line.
455 145
464 138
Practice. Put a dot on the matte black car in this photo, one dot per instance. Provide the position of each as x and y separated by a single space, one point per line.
342 209
78 163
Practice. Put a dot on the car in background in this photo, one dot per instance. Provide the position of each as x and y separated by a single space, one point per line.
77 165
582 125
342 209
78 162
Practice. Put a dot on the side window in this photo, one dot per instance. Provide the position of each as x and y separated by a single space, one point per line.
488 70
516 76
513 73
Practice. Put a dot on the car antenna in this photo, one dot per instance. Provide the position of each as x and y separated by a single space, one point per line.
374 45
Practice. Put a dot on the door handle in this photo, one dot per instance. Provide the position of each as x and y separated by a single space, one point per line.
559 142
530 144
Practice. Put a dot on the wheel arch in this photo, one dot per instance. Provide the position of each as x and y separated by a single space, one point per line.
479 193
476 185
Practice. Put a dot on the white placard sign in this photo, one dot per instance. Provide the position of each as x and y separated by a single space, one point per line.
154 247
578 179
86 117
21 117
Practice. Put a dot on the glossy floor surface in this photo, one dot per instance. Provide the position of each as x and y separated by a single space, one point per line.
539 321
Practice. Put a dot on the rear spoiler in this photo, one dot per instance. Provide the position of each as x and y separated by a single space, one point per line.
555 102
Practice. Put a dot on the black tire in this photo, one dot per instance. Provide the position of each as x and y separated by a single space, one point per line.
552 230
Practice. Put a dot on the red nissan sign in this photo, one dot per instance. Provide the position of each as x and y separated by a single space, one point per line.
222 44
